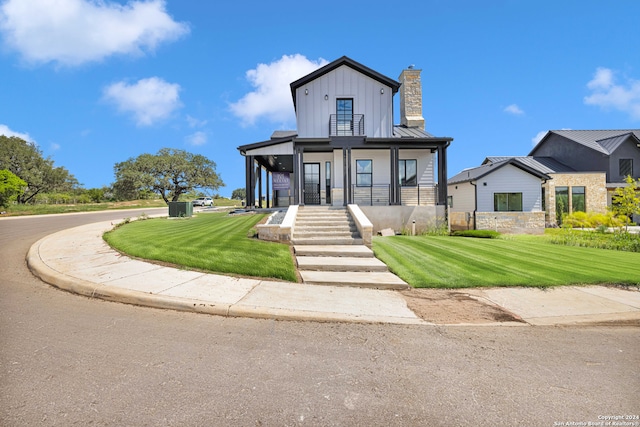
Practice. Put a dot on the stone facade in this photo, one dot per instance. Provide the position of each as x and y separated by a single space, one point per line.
595 184
511 222
411 99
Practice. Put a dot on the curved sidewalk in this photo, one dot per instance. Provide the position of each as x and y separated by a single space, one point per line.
79 261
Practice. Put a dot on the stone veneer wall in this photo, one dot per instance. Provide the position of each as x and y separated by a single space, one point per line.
511 222
595 184
458 221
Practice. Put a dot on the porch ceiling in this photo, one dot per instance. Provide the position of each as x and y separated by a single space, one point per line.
276 163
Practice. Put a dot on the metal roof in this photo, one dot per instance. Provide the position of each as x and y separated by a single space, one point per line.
604 141
401 131
474 174
544 165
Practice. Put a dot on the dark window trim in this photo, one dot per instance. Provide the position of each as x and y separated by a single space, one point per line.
403 179
364 173
509 209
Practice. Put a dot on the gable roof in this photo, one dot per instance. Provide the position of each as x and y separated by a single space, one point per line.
474 174
603 141
395 85
544 165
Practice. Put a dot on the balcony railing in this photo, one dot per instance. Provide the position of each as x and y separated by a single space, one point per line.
340 125
379 195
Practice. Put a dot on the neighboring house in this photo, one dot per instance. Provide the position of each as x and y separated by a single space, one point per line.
347 150
583 169
614 152
505 196
568 190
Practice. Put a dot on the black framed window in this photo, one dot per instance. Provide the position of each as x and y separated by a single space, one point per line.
507 202
562 202
578 200
408 172
625 167
364 173
344 116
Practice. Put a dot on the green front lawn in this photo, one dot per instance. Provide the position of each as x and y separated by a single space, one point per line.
215 242
454 262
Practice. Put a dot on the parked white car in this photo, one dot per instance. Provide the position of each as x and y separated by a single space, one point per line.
203 201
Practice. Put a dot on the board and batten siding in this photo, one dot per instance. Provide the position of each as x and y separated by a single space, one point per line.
426 164
313 111
510 179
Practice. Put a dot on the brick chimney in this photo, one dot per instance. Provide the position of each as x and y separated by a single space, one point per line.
411 98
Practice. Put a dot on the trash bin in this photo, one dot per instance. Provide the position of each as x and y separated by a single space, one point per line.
180 209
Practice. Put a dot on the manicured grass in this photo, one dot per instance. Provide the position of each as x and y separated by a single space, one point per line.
454 262
215 242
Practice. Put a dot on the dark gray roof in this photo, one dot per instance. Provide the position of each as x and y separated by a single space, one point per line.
604 141
474 174
283 134
545 165
401 131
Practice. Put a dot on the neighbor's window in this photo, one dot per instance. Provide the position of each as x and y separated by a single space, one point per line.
578 199
562 202
364 170
625 167
507 202
408 172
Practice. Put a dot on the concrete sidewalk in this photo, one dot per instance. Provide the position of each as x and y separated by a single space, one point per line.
79 261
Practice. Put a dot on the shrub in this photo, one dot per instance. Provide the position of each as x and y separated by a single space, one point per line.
482 234
592 220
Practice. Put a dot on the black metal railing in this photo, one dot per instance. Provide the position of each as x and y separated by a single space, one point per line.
380 195
340 125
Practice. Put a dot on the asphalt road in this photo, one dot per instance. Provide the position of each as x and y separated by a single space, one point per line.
67 360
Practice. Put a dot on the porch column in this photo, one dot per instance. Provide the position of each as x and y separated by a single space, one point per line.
268 197
442 178
394 187
346 176
298 187
259 172
250 188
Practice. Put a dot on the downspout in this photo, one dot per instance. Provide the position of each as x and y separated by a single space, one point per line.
475 207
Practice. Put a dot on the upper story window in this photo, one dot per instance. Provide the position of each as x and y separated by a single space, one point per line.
625 167
408 172
344 116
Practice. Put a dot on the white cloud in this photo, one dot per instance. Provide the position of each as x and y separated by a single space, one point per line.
150 100
197 139
4 130
538 137
271 98
513 109
195 123
54 146
73 32
607 94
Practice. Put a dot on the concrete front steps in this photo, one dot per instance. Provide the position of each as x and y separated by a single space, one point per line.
344 265
322 225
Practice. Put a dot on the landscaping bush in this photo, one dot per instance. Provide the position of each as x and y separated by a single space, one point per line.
592 220
482 234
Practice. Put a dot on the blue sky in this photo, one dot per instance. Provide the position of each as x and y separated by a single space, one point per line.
94 83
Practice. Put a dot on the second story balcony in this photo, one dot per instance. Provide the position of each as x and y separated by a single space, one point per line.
346 125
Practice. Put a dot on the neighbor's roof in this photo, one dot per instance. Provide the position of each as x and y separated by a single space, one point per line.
474 174
395 85
604 141
545 165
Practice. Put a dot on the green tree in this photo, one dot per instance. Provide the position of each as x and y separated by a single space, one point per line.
24 159
170 173
625 201
11 186
239 194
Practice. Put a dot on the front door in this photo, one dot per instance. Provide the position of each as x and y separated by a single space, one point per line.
312 183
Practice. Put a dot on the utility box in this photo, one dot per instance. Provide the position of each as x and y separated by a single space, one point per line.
180 209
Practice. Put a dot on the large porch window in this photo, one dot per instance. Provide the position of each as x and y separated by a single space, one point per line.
408 173
364 173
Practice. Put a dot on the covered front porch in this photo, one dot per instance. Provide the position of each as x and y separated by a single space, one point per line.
340 171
